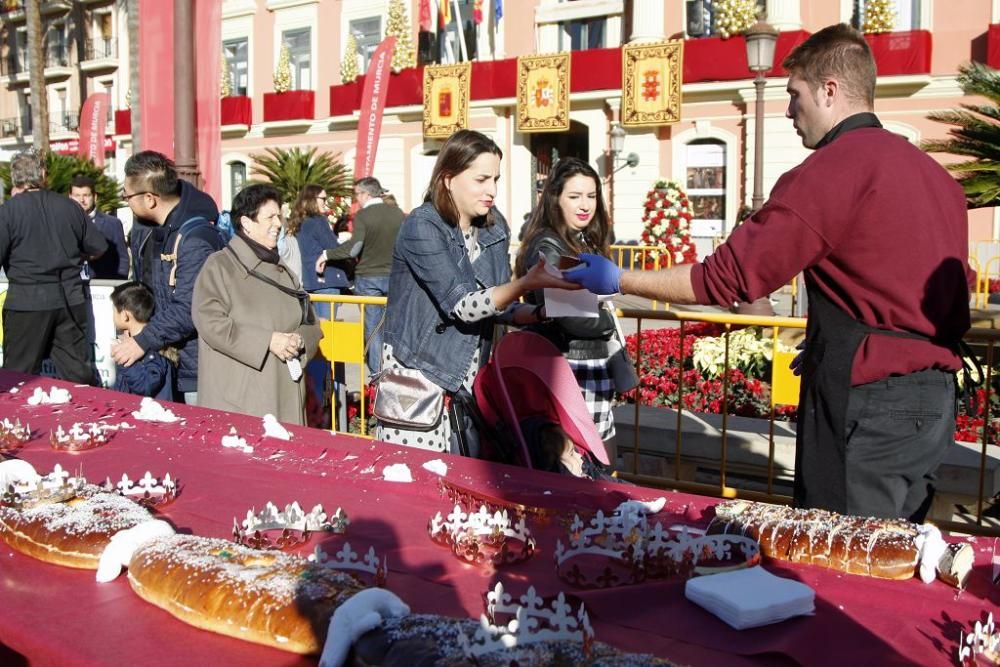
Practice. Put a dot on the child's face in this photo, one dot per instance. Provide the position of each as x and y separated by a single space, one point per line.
572 459
121 322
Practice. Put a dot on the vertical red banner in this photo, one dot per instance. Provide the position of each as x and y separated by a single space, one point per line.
208 110
156 76
93 127
372 106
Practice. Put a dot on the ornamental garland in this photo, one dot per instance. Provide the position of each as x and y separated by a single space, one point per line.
225 77
732 17
667 224
349 63
398 26
880 16
283 75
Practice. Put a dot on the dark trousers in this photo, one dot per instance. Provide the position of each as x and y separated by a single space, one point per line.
898 431
29 336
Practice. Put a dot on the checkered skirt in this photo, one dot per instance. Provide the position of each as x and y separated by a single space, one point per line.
598 391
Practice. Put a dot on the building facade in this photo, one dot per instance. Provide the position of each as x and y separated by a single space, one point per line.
710 151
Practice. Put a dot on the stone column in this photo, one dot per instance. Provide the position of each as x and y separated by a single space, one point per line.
647 21
784 15
185 155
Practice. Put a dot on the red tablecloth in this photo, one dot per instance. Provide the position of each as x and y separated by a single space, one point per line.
61 616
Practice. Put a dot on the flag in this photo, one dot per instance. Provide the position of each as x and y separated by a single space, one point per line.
477 12
372 105
498 10
425 15
445 13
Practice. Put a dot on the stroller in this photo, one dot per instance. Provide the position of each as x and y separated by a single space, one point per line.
528 386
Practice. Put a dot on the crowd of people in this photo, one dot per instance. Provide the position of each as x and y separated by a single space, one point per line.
228 323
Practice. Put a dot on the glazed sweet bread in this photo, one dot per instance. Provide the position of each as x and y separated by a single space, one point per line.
73 533
264 597
883 548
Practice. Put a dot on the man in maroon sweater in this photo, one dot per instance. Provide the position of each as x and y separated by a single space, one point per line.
881 232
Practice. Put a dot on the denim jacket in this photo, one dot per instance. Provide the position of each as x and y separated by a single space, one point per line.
431 272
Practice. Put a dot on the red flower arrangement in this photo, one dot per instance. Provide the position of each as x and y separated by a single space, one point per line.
667 224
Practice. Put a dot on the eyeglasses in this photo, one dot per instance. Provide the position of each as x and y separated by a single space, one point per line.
323 198
126 197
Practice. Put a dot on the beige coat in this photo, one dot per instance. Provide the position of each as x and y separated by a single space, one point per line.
235 314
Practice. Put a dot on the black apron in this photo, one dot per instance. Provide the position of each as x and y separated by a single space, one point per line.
832 341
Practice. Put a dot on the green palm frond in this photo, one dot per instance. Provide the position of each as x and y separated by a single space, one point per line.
61 169
289 170
975 134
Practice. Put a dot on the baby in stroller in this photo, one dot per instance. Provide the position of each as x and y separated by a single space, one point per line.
551 449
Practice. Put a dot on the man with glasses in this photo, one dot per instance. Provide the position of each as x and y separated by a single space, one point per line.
174 236
376 225
44 240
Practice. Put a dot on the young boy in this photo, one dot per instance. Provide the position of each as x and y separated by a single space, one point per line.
153 374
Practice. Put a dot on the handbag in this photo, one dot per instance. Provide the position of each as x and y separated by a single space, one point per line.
620 365
406 399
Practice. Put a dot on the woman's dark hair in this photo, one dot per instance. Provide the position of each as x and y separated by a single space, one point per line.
546 444
305 207
459 151
136 298
547 216
249 200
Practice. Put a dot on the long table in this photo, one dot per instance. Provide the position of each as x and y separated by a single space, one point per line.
61 616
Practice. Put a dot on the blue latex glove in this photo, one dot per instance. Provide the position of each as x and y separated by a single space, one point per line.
597 274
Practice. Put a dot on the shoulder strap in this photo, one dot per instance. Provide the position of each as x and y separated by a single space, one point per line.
187 227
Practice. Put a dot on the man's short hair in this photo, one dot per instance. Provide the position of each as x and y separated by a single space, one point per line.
156 171
839 52
136 298
27 170
370 185
84 181
249 200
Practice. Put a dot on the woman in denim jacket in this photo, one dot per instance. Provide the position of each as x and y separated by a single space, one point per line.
450 279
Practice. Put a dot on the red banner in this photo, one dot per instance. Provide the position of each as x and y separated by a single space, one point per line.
93 126
372 106
156 76
208 111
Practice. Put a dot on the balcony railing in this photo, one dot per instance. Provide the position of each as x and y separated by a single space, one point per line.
97 49
18 64
14 127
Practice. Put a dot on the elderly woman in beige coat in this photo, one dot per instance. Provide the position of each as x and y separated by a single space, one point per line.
255 324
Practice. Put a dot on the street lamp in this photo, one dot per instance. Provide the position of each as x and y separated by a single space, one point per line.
617 145
760 39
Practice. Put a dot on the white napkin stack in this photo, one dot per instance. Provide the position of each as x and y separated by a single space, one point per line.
751 598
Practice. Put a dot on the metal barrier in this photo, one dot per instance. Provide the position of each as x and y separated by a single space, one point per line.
343 342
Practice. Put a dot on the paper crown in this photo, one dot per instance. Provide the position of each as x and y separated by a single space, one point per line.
56 487
984 640
148 491
13 435
347 559
81 437
534 621
295 526
484 537
460 495
617 550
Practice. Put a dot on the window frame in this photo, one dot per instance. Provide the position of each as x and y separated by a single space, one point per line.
295 67
233 72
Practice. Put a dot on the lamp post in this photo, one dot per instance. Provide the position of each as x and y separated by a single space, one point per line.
617 135
760 39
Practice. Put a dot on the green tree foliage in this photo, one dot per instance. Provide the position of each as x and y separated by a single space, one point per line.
289 170
60 172
975 135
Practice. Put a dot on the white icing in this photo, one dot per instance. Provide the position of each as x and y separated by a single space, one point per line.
397 472
273 429
437 466
150 410
56 395
15 471
234 441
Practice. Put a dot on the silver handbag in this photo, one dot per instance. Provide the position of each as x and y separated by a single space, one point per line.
406 399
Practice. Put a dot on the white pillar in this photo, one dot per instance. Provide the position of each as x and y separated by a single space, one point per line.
647 21
784 14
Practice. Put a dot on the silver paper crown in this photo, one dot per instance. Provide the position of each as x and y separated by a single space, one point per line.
483 536
533 622
347 559
984 640
13 434
55 487
148 491
294 523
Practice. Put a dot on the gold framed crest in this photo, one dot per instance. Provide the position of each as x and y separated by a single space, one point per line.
543 93
651 83
446 99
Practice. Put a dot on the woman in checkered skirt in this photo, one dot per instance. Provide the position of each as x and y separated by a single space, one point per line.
570 219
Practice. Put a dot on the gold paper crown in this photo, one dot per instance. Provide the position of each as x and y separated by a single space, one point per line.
149 491
295 525
984 640
484 537
81 436
534 621
347 559
13 435
56 487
